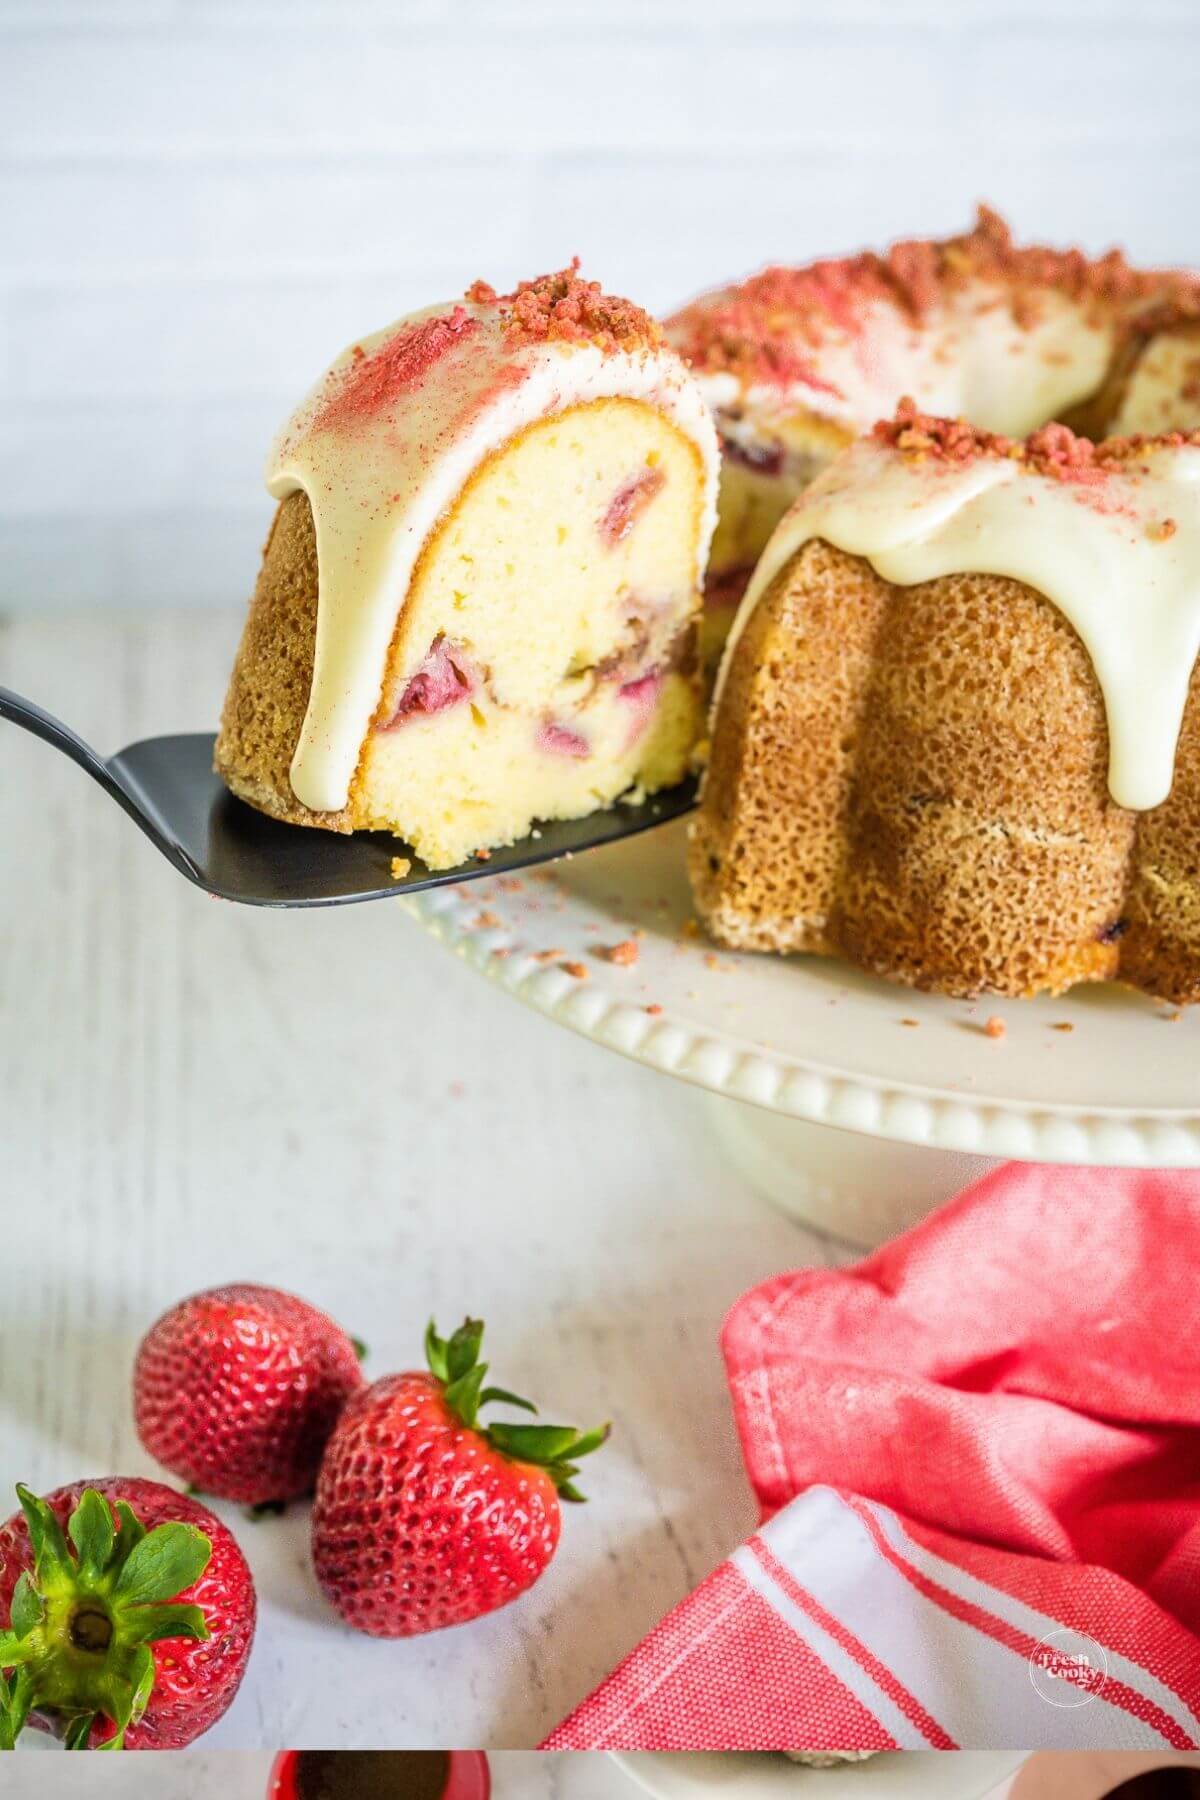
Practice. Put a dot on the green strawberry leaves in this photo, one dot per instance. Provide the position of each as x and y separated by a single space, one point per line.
80 1625
93 1534
465 1396
16 1703
130 1533
164 1562
452 1358
79 1731
495 1393
52 1559
151 1623
462 1352
26 1610
555 1448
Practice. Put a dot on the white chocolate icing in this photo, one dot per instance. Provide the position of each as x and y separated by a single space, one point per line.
381 479
1103 552
1163 392
968 357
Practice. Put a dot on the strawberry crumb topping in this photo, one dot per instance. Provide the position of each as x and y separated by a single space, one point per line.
563 308
765 330
365 385
1053 450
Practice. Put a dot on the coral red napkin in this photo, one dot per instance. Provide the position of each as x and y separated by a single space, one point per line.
978 1458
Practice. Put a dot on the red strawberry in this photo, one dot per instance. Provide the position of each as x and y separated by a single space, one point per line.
237 1390
133 1629
424 1517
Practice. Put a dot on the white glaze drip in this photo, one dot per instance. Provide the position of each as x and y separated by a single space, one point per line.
379 484
1104 554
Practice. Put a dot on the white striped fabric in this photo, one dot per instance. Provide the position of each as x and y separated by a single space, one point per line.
838 1661
979 1690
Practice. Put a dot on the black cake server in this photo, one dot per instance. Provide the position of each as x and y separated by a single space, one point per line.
167 786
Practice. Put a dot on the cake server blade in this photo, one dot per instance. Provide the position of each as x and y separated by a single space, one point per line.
167 786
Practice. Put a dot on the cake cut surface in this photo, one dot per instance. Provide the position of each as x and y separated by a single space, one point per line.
797 362
955 737
478 604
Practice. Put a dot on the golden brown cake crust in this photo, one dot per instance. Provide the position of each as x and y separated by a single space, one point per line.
1161 951
917 778
268 692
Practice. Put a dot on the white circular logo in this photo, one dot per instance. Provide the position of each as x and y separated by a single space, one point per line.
1068 1668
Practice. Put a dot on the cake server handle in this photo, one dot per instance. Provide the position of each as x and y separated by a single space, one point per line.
44 725
35 719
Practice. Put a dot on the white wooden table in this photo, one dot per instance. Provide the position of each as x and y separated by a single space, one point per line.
243 1775
193 1092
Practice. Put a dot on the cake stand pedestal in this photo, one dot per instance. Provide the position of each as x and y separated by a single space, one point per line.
855 1105
863 1189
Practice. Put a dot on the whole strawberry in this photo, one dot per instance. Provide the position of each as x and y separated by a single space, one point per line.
423 1516
126 1617
237 1390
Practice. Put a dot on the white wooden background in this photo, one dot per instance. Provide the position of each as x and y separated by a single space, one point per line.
201 200
193 1092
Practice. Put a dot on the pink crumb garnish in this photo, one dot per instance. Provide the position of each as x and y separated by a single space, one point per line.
564 308
368 382
560 740
444 679
995 1027
641 697
1053 450
771 327
628 504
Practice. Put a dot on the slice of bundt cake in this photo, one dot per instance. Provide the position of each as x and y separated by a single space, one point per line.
797 362
957 732
478 601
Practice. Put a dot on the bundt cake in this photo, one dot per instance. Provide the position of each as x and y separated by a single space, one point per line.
957 730
479 598
796 362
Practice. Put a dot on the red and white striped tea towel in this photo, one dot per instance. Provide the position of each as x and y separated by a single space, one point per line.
978 1458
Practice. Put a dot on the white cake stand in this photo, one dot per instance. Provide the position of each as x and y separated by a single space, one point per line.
854 1104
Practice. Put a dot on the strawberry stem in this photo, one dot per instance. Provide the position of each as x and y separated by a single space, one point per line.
81 1623
557 1449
